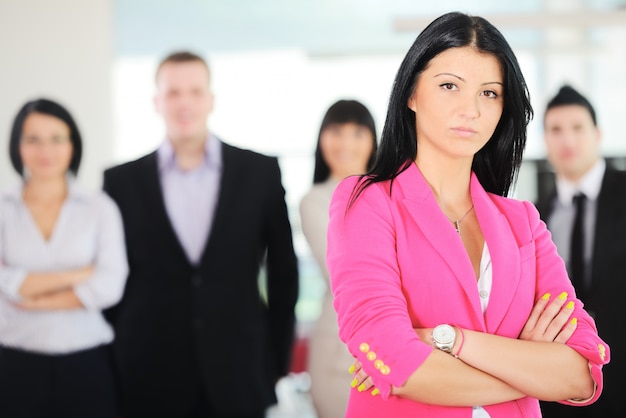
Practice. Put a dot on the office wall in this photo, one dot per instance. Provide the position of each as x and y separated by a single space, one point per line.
63 50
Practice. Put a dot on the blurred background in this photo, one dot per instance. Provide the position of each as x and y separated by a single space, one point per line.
276 67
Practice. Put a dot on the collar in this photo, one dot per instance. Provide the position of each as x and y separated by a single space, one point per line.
212 154
589 184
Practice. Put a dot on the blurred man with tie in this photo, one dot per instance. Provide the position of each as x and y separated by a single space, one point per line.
586 214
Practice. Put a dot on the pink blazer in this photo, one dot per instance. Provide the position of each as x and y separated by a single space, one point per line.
396 263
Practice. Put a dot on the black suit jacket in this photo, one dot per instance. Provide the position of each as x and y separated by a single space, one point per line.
606 297
178 325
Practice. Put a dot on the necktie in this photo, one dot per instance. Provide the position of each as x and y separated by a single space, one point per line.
577 250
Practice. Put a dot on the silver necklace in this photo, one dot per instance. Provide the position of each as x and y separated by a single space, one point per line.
457 223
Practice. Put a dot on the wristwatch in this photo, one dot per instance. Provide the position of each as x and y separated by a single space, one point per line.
444 337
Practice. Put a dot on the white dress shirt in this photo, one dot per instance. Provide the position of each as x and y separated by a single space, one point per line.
485 280
88 232
561 220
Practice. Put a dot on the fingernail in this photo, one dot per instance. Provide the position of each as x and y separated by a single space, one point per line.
361 387
375 392
574 321
563 296
351 369
570 305
546 296
354 383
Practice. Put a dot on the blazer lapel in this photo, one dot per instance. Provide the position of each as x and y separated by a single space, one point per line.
226 198
504 252
423 209
154 194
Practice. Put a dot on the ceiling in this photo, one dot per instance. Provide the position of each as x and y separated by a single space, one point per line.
320 27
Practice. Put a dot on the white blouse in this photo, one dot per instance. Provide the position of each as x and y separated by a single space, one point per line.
485 280
88 232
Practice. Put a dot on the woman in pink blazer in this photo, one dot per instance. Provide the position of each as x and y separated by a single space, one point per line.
450 295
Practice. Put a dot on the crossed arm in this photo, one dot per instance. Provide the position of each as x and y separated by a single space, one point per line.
49 291
493 369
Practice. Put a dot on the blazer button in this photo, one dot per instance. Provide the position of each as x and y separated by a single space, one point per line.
196 280
385 370
364 347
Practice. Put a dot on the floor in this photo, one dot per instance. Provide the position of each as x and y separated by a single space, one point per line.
294 400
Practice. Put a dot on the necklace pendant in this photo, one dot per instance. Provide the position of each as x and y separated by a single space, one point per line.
457 225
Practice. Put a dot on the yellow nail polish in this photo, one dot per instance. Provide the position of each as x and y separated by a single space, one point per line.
563 296
375 392
361 387
546 296
570 305
351 369
574 321
354 383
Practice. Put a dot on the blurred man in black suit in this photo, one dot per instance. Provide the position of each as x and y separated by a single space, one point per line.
586 214
194 336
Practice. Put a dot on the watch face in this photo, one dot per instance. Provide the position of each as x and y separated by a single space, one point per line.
444 334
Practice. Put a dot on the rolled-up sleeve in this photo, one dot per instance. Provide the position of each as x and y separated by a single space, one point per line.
106 286
11 280
365 279
552 278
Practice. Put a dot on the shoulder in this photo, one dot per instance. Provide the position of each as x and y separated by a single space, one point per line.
522 216
611 201
232 153
514 208
104 201
613 180
545 205
130 166
97 200
318 196
319 191
351 197
11 194
9 198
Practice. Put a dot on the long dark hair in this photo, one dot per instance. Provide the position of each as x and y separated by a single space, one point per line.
496 165
343 111
50 108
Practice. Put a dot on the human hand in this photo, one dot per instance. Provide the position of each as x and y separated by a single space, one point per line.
60 300
549 321
361 380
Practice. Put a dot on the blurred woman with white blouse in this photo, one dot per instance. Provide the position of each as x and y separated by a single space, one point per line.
62 261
